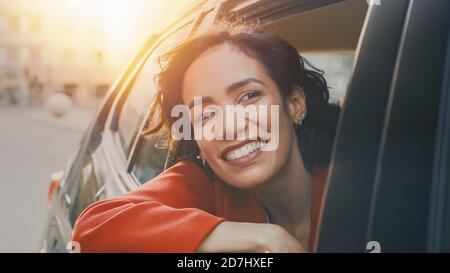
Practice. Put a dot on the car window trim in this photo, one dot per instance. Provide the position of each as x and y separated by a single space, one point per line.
270 11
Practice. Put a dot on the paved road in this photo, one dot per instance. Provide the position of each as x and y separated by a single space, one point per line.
32 146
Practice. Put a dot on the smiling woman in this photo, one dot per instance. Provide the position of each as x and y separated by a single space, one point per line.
255 200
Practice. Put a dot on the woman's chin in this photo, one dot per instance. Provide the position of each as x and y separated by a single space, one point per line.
246 178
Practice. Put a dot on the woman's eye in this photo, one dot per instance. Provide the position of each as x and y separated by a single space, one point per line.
249 95
208 115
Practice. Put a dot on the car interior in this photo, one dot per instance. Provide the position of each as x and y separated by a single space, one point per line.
327 38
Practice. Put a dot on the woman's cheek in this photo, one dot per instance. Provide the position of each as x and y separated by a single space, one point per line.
208 151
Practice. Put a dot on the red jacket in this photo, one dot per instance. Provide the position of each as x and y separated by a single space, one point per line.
174 212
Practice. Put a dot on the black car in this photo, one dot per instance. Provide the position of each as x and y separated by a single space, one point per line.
388 188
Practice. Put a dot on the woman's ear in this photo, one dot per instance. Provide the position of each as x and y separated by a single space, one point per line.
297 104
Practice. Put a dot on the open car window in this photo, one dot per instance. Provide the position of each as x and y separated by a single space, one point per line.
142 89
326 38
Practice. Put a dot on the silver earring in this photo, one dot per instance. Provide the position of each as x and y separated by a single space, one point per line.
203 161
298 123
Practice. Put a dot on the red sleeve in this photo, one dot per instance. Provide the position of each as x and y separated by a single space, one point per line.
173 212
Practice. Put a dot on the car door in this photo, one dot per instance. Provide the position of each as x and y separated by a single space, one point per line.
384 163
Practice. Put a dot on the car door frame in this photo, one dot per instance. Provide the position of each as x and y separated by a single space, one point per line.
366 200
265 11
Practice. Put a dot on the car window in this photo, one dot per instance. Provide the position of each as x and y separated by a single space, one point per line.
142 90
151 157
89 189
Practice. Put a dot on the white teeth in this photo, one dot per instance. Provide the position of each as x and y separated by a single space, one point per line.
245 150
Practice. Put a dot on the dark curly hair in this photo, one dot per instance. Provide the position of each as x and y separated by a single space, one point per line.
283 64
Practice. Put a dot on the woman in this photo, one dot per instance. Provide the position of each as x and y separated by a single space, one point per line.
256 200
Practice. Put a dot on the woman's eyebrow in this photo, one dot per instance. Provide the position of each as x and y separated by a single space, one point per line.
238 84
230 88
198 101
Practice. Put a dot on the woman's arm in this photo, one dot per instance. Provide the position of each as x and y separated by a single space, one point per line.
174 212
118 225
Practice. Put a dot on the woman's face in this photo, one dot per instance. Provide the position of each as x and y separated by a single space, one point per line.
225 76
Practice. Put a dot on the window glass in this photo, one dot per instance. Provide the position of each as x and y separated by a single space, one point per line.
89 189
142 91
151 158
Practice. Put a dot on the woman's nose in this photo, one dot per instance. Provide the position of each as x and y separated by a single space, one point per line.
235 127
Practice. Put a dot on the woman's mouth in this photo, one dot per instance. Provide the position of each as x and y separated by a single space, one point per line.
245 153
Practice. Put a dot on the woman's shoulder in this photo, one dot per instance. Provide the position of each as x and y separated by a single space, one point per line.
185 171
182 183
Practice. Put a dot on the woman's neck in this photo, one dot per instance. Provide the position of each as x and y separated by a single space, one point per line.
287 198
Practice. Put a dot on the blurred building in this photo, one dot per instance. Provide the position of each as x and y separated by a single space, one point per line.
45 47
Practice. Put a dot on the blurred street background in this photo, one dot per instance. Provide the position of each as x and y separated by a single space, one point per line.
33 145
58 59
